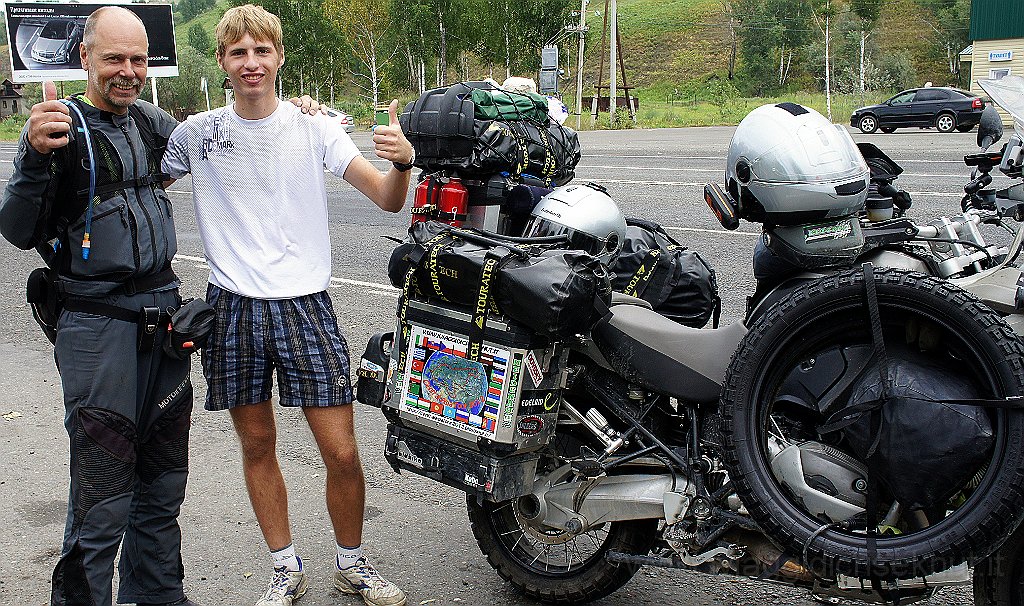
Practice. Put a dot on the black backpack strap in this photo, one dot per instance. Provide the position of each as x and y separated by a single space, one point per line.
156 143
151 179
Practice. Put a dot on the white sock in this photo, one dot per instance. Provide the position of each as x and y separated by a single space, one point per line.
347 556
286 558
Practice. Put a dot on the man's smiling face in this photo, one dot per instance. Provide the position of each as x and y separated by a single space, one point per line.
252 67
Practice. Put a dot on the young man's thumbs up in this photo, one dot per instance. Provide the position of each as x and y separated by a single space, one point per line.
389 142
49 122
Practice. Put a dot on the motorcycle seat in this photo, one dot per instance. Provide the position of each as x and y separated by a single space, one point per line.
654 352
619 298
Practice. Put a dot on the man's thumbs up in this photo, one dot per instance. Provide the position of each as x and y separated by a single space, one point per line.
49 91
393 113
49 123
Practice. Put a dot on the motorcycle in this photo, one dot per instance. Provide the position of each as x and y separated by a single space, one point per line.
809 444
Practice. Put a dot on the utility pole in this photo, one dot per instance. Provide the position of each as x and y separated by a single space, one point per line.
613 93
579 63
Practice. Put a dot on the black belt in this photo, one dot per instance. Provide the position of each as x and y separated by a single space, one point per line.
148 319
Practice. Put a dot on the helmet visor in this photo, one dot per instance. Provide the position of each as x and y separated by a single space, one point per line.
816 153
539 227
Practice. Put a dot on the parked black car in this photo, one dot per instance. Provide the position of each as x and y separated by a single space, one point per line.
947 109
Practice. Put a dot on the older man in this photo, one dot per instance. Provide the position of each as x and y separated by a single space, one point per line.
127 403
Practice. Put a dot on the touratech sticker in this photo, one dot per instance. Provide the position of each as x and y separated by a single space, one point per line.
533 367
530 426
828 231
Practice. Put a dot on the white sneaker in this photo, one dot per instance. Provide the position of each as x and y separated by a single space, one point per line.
363 579
285 588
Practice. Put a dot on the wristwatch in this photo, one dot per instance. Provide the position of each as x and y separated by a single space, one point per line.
402 167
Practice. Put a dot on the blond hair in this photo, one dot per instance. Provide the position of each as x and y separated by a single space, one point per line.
249 19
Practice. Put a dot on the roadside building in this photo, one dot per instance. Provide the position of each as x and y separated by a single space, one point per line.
11 100
997 42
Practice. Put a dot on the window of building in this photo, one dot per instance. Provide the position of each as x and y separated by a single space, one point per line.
996 74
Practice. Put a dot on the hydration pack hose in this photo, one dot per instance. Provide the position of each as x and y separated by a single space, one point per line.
84 130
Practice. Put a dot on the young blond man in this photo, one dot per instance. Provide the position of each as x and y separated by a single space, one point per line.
261 208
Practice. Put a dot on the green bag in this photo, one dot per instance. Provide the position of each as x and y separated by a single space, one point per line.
506 106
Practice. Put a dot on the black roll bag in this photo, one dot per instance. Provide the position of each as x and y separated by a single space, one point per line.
449 131
677 282
550 291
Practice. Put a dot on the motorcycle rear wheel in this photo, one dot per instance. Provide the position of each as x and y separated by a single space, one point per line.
550 565
820 314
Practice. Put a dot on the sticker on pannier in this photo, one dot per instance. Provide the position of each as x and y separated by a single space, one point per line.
441 385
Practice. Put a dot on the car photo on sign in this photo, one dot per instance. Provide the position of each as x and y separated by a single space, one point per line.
942 108
46 38
55 42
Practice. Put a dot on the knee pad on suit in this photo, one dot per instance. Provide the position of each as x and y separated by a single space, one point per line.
104 445
166 448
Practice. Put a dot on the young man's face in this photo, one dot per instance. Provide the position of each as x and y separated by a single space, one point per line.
116 62
252 67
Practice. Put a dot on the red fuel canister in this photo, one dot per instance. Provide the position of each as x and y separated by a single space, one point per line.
437 201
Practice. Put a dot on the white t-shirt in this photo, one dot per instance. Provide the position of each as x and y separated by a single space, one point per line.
260 198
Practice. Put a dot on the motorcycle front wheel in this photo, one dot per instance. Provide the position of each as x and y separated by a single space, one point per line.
966 338
999 579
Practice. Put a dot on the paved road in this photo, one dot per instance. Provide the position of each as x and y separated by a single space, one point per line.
416 530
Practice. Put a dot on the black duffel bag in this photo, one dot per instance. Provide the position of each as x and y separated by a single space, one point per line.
677 282
927 446
548 290
448 133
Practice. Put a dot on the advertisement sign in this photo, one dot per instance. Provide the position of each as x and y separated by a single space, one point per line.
45 39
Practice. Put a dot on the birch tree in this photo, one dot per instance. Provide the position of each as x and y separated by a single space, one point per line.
365 26
868 12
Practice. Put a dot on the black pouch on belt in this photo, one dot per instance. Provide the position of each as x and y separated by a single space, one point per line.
41 294
189 329
149 322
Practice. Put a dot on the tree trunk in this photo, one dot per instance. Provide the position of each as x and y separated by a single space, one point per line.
442 62
863 41
828 68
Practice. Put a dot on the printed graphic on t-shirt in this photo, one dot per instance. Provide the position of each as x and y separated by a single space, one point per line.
219 141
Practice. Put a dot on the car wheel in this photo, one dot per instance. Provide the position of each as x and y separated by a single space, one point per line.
945 123
888 129
868 124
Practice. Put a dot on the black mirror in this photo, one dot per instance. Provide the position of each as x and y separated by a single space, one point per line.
990 128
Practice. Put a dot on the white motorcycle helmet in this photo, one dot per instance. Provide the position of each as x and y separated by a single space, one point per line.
788 165
586 214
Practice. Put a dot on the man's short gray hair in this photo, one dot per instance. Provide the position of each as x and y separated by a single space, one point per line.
94 19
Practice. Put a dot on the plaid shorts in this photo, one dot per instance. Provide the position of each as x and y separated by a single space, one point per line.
299 338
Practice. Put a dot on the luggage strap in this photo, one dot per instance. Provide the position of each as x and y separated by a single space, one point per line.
493 262
408 285
642 277
432 211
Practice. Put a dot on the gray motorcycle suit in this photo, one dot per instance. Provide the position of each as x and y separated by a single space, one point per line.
127 409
